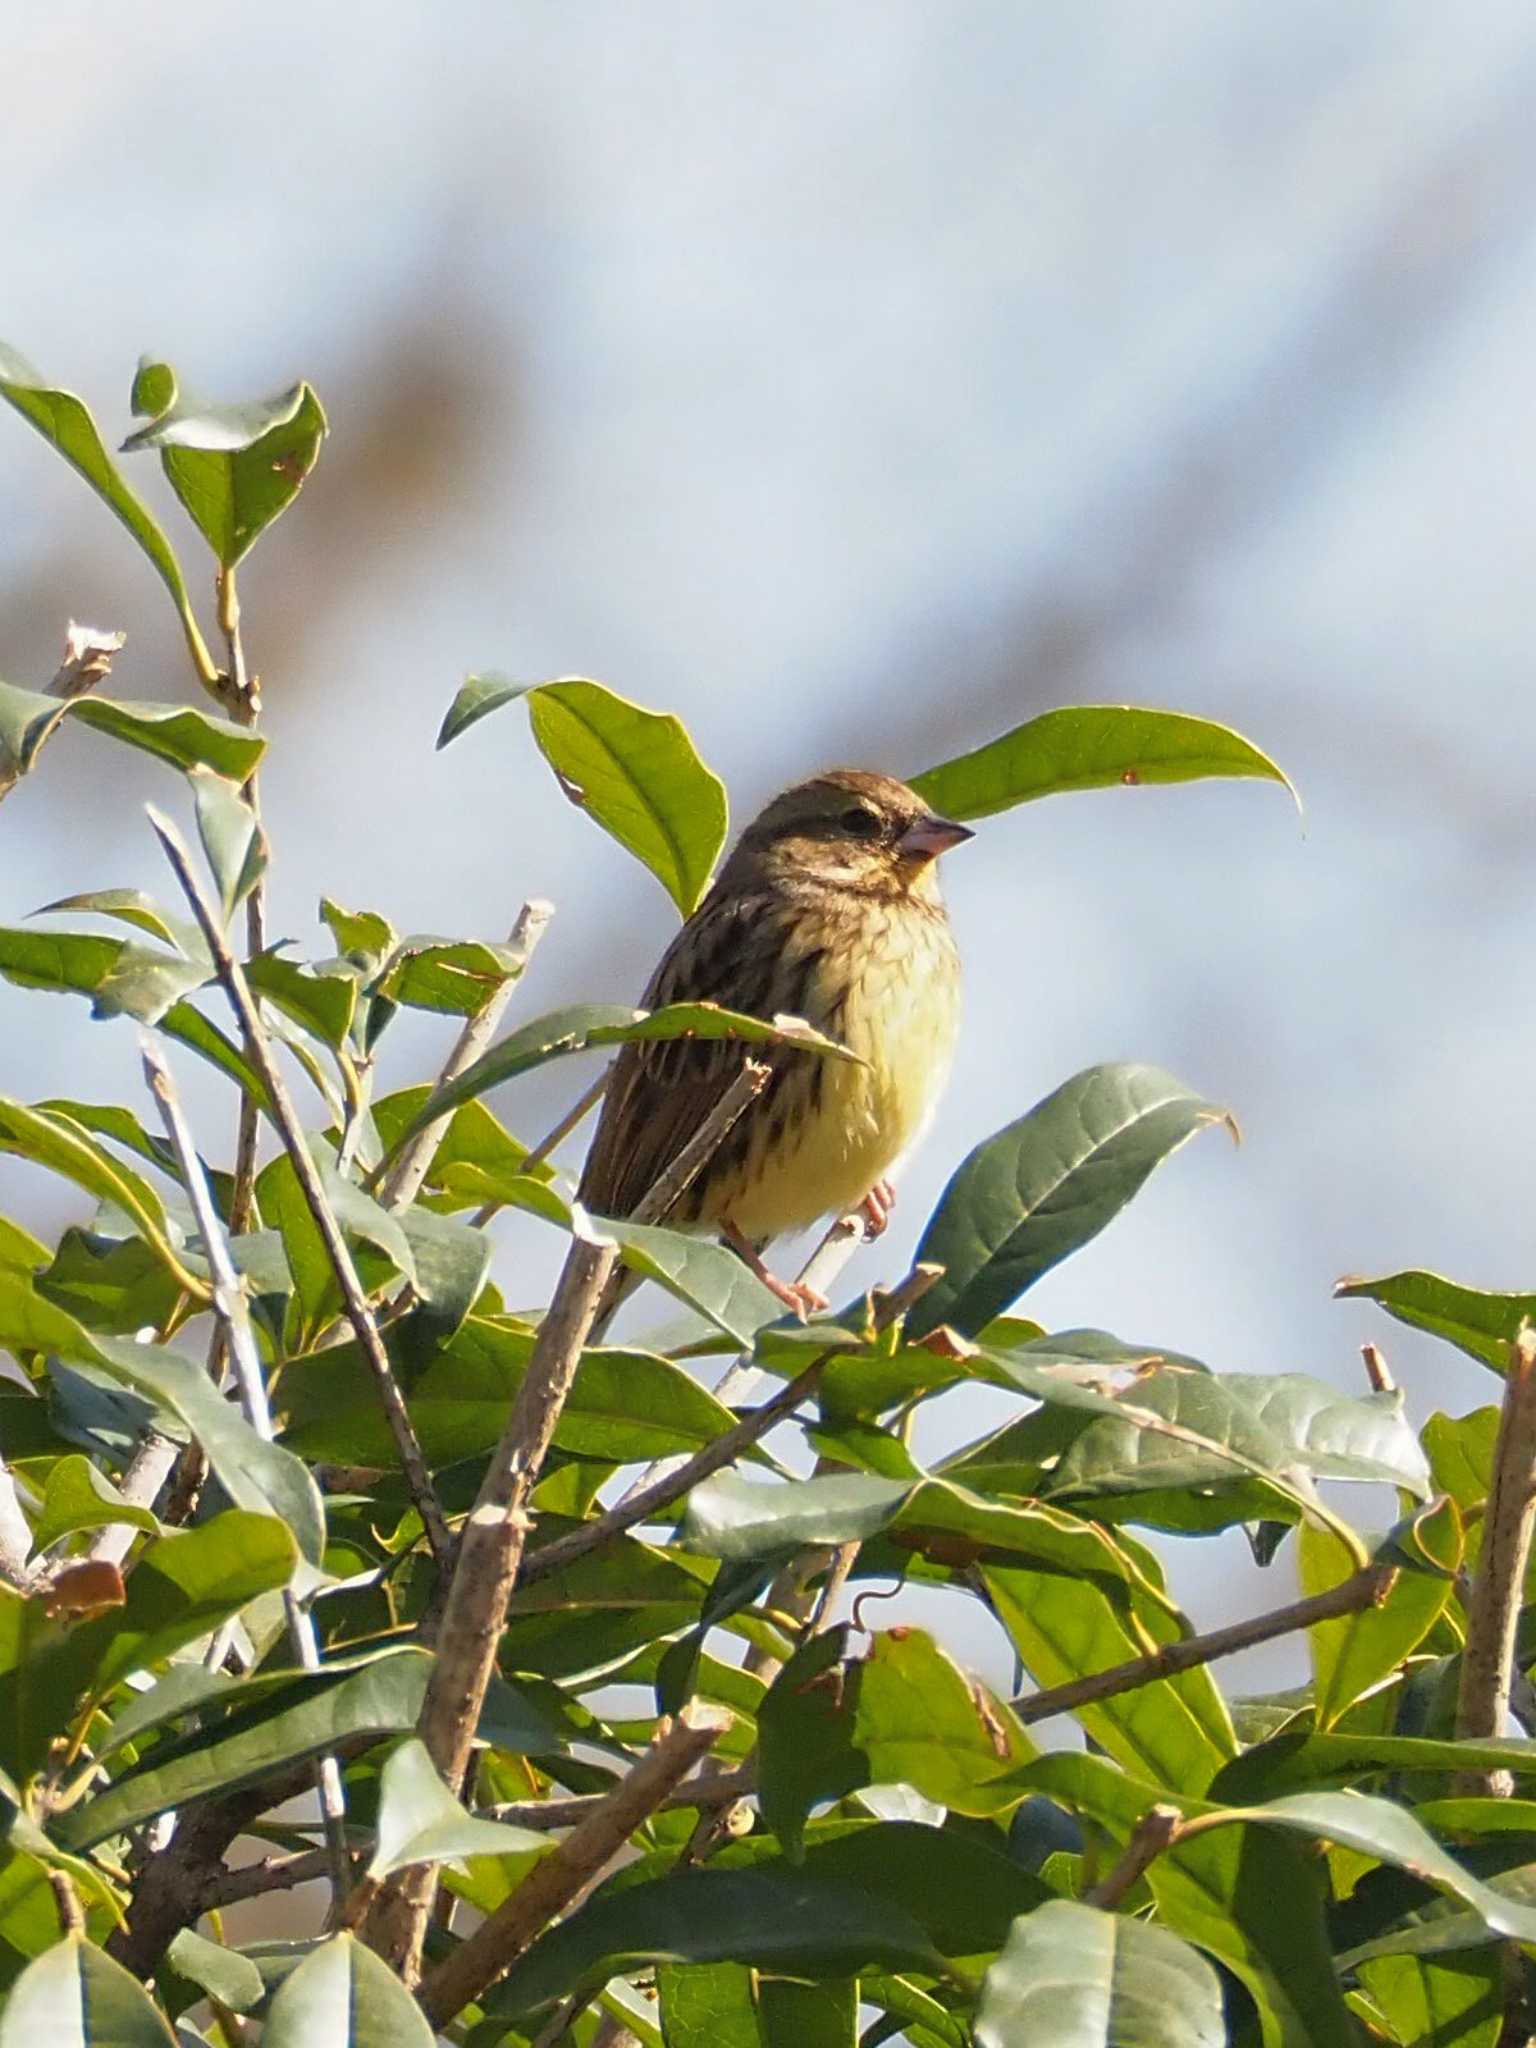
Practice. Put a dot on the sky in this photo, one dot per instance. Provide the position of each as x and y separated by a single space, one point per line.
857 383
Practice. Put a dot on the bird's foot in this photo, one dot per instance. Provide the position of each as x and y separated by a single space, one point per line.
799 1299
876 1208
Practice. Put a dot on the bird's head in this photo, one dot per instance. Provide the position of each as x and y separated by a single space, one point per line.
851 829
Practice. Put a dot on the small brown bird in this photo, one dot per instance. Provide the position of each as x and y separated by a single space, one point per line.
828 908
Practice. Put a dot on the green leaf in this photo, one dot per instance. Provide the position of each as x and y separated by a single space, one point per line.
341 1995
55 1141
255 1474
135 907
1304 1757
1355 1652
1089 746
79 1497
1449 2002
584 1025
323 1003
270 1722
233 1979
76 1996
110 1284
182 1586
62 962
420 1821
234 467
707 2005
904 1715
20 1249
232 837
636 773
453 977
1082 1978
477 697
1482 1325
66 421
362 934
146 983
704 1276
1041 1188
1220 1890
797 2015
175 733
626 1406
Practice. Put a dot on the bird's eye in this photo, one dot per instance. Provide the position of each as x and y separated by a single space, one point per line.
862 823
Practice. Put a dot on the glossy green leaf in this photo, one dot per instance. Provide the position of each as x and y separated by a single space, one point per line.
234 467
1040 1189
231 835
342 1996
832 1723
62 418
420 1821
1082 1978
76 1996
477 697
1089 746
637 774
1482 1325
289 1717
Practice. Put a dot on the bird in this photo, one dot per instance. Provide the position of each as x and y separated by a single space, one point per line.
828 908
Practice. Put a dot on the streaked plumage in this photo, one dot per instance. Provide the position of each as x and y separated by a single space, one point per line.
828 908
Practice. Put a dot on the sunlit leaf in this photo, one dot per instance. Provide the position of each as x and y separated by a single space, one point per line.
1082 1978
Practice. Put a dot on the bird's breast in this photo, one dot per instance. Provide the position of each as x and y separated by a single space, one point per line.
891 994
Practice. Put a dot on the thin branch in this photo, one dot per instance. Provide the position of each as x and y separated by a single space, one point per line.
641 1506
276 1874
67 1903
1158 1829
495 1536
355 1301
1493 1611
148 1469
1362 1589
402 1183
229 1305
1377 1371
709 1788
87 660
558 1878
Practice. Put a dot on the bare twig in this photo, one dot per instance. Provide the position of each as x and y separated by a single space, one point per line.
402 1183
229 1306
275 1874
709 1788
87 659
355 1301
147 1471
1377 1371
573 1865
1362 1589
640 1506
67 1902
1157 1830
1493 1611
15 1535
491 1552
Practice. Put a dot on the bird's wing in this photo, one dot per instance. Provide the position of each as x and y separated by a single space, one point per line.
731 952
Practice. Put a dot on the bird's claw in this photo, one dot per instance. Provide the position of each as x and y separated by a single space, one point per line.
799 1299
876 1208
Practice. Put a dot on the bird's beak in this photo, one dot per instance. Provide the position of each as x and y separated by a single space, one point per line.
931 836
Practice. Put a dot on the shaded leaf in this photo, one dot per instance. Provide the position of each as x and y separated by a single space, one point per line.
707 2005
323 1003
636 773
231 835
795 2015
1089 746
1355 1652
1041 1188
176 733
477 697
1082 1978
135 907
